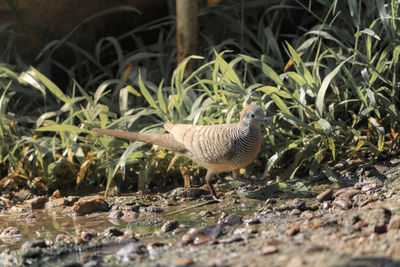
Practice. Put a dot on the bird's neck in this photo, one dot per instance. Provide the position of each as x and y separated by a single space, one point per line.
248 128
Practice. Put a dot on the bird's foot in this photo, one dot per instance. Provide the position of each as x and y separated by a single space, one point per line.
249 181
212 192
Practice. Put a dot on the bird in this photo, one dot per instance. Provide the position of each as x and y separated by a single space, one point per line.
218 148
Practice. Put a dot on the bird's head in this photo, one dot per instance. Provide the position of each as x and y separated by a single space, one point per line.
252 116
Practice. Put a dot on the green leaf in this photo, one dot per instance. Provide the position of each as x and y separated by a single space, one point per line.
52 87
146 93
319 103
280 104
62 127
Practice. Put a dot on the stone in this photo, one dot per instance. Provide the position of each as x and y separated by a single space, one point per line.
39 202
326 195
112 231
233 219
88 206
298 203
10 233
38 243
293 230
169 226
267 250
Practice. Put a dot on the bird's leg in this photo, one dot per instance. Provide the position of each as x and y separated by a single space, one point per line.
212 190
247 181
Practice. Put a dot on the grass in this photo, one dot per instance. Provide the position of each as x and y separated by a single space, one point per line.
330 92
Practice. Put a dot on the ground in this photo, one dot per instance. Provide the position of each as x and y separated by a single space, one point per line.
355 222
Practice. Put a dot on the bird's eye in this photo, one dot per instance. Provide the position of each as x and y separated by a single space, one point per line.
252 115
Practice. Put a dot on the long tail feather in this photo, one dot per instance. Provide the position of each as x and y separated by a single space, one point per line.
165 140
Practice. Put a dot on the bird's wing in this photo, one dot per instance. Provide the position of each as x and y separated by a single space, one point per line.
205 143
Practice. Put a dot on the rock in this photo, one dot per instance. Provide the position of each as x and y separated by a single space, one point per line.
112 231
206 214
181 192
70 200
56 194
195 192
30 217
10 233
231 239
351 193
202 239
245 230
129 234
187 239
131 251
394 223
23 194
298 203
293 230
154 209
169 226
269 250
86 235
223 216
88 206
233 219
129 216
371 187
270 201
347 192
65 239
39 243
39 202
252 221
115 214
295 212
342 203
326 195
377 220
184 262
55 202
200 235
326 205
126 213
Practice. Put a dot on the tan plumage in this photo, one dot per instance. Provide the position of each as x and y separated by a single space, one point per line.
218 148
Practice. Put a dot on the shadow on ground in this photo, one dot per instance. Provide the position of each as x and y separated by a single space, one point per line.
369 262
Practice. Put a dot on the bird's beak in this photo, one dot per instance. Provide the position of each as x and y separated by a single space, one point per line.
267 121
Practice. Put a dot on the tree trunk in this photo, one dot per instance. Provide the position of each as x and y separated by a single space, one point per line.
187 31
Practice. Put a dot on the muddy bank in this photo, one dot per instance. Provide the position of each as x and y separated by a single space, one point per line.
355 222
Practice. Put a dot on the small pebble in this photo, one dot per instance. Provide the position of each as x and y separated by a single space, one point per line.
184 262
252 221
112 231
267 250
298 203
233 219
206 214
169 226
295 212
39 202
326 195
293 230
84 207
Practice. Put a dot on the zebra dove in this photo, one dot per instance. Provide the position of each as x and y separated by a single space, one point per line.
218 148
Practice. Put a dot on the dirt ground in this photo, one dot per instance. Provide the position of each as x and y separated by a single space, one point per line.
355 222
